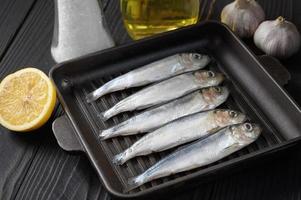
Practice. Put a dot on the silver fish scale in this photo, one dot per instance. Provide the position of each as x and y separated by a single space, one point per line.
138 165
160 93
159 116
153 72
199 153
180 131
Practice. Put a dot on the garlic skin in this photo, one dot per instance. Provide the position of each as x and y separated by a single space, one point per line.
279 38
243 17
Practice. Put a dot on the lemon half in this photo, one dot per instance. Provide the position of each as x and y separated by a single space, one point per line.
27 99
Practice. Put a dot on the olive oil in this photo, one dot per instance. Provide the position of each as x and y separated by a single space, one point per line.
143 18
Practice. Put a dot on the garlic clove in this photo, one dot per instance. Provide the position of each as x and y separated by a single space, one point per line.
279 38
243 17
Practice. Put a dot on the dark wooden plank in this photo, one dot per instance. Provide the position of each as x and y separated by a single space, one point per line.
31 46
12 15
51 173
46 171
14 157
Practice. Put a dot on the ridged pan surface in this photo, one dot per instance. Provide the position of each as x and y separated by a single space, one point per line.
75 79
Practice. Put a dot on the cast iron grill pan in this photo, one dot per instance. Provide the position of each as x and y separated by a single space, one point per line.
138 165
75 79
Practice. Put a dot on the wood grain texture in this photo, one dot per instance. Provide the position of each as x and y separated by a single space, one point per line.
31 47
34 167
43 169
12 15
15 154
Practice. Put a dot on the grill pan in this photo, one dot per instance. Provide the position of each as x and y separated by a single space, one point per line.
253 91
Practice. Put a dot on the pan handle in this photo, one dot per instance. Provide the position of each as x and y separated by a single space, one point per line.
65 134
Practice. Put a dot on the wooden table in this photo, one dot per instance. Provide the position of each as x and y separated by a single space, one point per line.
33 166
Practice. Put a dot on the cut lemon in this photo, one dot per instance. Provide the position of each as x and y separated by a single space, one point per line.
27 99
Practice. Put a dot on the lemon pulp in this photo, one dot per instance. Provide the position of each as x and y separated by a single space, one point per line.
27 99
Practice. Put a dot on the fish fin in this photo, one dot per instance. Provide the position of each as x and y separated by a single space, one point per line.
134 182
214 130
194 141
229 150
119 159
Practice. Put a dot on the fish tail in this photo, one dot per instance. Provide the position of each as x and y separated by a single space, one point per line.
126 155
105 134
91 97
120 159
110 113
135 182
111 132
96 94
102 116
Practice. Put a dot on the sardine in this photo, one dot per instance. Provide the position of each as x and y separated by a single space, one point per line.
200 153
181 131
202 100
153 72
165 91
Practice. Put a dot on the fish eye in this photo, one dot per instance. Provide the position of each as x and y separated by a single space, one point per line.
248 127
197 56
211 74
217 89
233 114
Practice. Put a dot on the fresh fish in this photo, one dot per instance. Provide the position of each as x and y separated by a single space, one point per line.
153 72
181 131
201 152
165 91
205 99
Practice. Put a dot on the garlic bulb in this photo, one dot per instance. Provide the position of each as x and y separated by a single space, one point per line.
278 38
243 17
